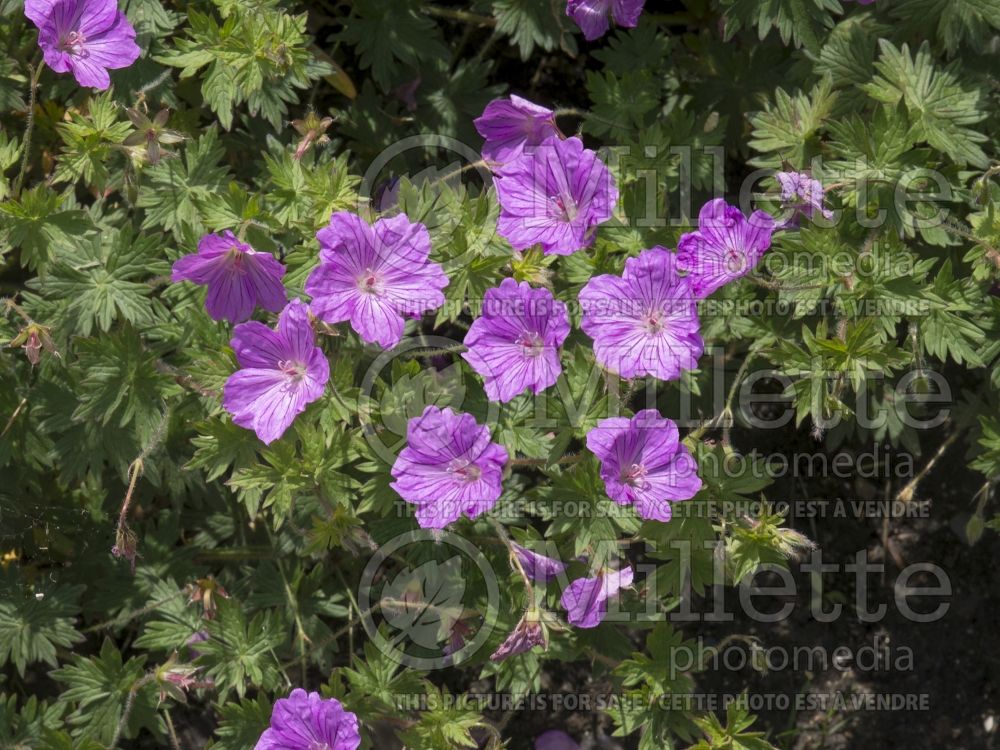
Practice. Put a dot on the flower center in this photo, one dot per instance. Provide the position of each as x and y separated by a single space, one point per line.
653 322
566 208
293 371
467 473
370 282
634 476
73 43
531 344
734 261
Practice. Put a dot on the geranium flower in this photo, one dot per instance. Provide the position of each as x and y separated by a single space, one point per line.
373 275
593 16
586 599
508 125
643 463
538 567
306 721
448 467
515 343
644 322
554 194
87 37
802 193
725 247
282 372
237 276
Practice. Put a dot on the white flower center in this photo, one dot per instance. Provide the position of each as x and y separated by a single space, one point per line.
293 371
565 207
653 322
531 344
734 260
634 476
465 472
73 43
371 283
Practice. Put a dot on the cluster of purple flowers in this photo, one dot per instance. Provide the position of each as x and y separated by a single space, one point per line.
553 194
368 275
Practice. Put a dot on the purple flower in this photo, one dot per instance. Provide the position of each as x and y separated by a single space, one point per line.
237 276
528 633
726 246
515 344
87 37
555 739
281 372
305 721
801 192
592 15
643 463
555 195
644 322
448 467
374 275
508 125
538 567
586 599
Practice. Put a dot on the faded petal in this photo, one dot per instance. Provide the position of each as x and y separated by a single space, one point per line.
555 739
282 372
238 277
586 599
538 567
726 246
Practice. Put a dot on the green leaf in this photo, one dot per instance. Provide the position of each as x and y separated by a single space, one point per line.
242 723
956 23
388 42
24 726
122 384
89 140
258 56
173 188
534 23
99 688
99 282
732 736
239 653
33 624
939 105
36 221
789 128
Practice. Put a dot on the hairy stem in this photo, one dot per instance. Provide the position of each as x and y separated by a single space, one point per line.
29 129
